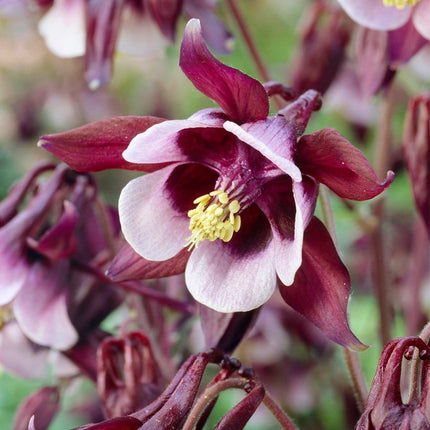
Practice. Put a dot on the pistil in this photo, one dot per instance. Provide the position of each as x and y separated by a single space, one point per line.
215 217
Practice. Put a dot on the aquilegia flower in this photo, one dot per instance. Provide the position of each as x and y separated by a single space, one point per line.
235 191
390 14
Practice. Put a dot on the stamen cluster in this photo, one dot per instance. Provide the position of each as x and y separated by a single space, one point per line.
400 4
213 218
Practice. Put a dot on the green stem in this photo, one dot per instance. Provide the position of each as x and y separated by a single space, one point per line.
379 272
278 412
259 64
351 357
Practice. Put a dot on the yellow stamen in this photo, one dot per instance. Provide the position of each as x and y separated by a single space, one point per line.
400 4
217 220
6 315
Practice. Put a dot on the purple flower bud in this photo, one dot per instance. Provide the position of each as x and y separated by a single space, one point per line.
416 148
128 377
385 408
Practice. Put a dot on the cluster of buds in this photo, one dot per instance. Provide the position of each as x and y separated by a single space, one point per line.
181 406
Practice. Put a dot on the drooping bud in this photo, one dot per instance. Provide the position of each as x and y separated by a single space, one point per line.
324 37
416 149
385 408
128 377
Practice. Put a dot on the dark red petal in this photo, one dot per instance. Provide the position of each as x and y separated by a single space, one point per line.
99 145
241 97
128 264
103 19
43 404
321 287
333 161
166 13
237 417
404 43
59 241
118 423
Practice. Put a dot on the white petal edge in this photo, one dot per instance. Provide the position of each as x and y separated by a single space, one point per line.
158 143
285 165
227 283
149 223
373 14
421 18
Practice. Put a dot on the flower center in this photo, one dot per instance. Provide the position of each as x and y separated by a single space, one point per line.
400 4
213 218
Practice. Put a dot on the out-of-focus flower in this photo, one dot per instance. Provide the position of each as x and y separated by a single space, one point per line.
324 37
238 190
42 247
390 14
416 148
97 28
385 408
128 378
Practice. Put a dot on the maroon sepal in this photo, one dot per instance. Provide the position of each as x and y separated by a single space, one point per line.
321 287
99 145
328 157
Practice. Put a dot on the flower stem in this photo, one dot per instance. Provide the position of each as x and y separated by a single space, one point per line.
416 365
208 395
351 357
259 64
379 272
278 413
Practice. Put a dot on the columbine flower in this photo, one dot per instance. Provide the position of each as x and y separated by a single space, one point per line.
405 20
42 245
390 14
96 28
235 191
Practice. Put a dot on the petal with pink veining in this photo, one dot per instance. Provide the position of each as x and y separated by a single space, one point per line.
127 265
256 139
289 207
99 145
421 18
153 209
237 276
41 306
159 144
373 14
333 161
241 97
321 287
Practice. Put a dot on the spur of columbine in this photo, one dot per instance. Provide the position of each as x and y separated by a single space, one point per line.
231 194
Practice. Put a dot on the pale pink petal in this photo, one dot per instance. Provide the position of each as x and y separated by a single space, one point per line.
158 143
63 28
373 14
421 18
21 357
12 276
41 307
149 221
261 146
227 282
289 215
